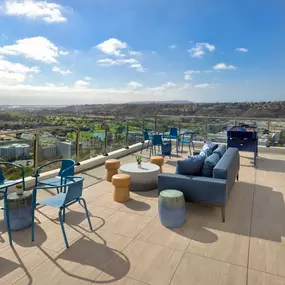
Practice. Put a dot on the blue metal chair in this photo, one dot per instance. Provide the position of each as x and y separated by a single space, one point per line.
66 169
156 141
173 134
187 138
73 187
4 185
146 137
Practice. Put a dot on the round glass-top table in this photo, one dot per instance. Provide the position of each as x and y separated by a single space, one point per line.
143 178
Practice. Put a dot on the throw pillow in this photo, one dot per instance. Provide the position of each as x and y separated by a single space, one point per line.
190 166
221 150
209 164
208 148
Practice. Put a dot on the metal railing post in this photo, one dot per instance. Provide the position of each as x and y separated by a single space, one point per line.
206 129
77 147
105 127
155 124
127 135
179 127
268 135
36 151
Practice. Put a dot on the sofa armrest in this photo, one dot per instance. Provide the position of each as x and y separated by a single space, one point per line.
196 188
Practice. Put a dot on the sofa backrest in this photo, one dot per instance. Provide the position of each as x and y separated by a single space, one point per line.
228 166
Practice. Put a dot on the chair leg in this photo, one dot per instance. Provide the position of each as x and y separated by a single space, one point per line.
142 147
62 227
190 149
182 148
237 176
57 189
147 144
223 212
63 215
7 217
87 214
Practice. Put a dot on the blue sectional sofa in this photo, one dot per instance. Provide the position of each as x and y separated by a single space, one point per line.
213 190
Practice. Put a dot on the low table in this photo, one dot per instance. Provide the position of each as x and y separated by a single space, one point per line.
143 178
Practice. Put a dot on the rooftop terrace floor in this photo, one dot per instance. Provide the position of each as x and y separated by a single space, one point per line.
129 246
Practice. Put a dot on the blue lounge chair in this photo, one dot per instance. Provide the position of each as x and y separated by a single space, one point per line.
73 187
4 185
146 137
187 138
66 169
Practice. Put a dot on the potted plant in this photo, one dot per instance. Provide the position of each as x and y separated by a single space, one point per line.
19 188
139 160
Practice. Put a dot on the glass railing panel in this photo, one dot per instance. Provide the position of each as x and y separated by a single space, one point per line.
217 128
17 147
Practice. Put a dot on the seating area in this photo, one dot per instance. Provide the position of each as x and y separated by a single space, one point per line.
129 246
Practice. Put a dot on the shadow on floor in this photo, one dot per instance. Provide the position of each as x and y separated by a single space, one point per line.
137 205
274 165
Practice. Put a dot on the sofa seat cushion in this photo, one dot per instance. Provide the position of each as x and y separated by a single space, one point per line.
220 150
208 148
190 166
209 164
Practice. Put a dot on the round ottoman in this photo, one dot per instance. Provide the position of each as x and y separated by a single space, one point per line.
121 183
112 166
158 160
171 208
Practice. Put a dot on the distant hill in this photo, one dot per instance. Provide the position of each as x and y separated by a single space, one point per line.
161 102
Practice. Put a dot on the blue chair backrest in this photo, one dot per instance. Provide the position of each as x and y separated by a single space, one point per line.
2 178
66 163
145 135
157 140
74 189
173 132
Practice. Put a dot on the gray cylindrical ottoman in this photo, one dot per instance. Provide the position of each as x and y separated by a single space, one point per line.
171 208
20 210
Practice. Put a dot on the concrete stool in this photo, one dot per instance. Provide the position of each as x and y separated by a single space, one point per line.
121 183
158 160
171 208
112 166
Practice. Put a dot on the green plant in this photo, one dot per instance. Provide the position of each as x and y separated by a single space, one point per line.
19 186
139 159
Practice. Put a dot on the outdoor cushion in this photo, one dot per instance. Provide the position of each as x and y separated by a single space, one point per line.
209 164
190 166
220 150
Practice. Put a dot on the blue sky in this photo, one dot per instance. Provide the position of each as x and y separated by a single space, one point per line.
97 51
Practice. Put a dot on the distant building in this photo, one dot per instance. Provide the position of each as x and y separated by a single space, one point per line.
66 149
14 151
47 152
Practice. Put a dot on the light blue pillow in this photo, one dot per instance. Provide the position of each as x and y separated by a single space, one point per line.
209 164
221 150
191 165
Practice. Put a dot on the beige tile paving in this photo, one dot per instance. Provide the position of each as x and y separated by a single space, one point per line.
261 278
126 224
130 247
148 263
197 270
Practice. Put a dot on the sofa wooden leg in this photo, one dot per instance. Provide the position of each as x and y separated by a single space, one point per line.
223 212
237 176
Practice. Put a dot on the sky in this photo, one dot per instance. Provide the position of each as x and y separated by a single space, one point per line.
62 52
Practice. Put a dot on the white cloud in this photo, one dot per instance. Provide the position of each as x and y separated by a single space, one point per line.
163 87
200 49
87 78
112 46
63 52
132 62
222 66
48 12
241 49
134 85
135 53
38 48
188 74
107 62
138 67
61 71
206 85
15 72
81 84
172 46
